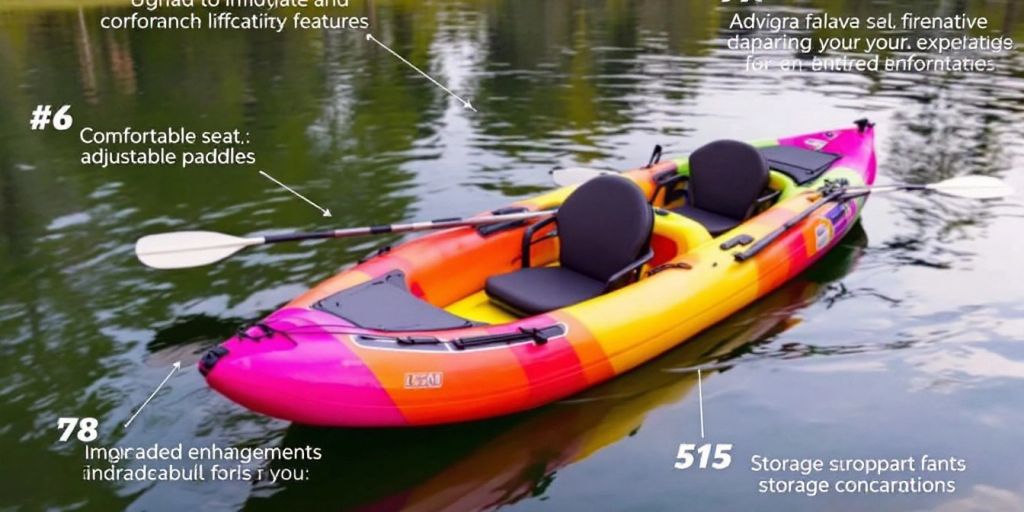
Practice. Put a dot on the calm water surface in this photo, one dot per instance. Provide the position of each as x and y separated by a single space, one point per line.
906 340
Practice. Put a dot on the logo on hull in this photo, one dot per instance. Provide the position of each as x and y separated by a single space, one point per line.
424 380
818 236
822 235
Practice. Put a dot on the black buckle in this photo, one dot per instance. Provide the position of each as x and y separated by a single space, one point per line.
210 359
737 240
539 336
833 186
265 331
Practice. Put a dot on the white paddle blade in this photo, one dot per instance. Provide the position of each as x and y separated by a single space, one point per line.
973 187
576 175
187 249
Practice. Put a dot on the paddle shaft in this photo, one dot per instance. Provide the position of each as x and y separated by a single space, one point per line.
977 187
768 239
405 228
895 187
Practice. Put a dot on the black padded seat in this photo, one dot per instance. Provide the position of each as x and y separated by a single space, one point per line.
726 179
715 224
604 232
543 288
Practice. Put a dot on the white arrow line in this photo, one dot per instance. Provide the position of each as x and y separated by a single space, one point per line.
700 395
174 368
465 103
325 211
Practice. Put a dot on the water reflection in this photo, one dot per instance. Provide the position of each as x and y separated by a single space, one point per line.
484 466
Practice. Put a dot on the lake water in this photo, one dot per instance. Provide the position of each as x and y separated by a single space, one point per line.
905 341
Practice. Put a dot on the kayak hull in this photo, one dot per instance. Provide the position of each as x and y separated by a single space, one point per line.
309 366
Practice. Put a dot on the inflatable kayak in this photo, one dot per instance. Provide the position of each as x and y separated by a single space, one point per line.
476 322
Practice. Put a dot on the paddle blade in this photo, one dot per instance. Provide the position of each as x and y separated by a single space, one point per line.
187 249
576 175
973 187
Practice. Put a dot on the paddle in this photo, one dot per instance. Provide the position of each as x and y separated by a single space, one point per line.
970 187
576 175
187 249
832 193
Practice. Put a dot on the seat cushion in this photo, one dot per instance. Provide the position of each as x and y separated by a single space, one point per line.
715 224
538 290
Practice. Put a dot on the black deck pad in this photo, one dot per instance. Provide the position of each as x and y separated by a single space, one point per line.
386 304
803 165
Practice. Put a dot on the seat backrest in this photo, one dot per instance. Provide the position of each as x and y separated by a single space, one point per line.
603 226
726 177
